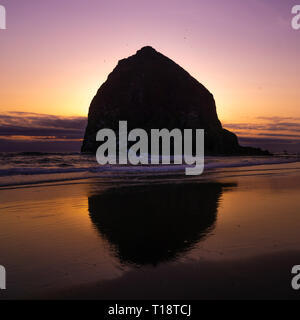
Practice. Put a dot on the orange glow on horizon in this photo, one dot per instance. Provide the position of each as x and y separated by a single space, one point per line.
248 60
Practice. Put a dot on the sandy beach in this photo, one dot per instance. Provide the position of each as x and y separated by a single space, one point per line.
230 233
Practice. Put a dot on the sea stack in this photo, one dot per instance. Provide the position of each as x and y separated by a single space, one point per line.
151 91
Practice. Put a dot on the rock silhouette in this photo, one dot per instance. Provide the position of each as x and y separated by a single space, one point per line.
147 225
151 91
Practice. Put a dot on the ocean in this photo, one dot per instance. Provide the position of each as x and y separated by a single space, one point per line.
34 167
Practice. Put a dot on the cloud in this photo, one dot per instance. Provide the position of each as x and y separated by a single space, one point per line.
272 133
282 126
275 125
26 131
272 144
41 126
279 119
7 145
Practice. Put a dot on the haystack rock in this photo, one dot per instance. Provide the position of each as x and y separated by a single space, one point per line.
151 91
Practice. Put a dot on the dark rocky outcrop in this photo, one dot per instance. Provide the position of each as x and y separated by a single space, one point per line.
151 91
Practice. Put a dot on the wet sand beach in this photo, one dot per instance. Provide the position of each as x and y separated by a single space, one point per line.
230 233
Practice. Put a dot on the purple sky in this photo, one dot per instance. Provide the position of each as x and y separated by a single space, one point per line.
55 54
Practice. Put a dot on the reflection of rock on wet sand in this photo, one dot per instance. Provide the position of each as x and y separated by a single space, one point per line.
151 224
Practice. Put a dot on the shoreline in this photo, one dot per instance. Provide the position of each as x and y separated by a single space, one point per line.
120 171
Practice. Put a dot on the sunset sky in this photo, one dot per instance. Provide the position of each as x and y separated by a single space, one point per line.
55 55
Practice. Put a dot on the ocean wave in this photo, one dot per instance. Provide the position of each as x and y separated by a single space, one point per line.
37 171
37 154
210 163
